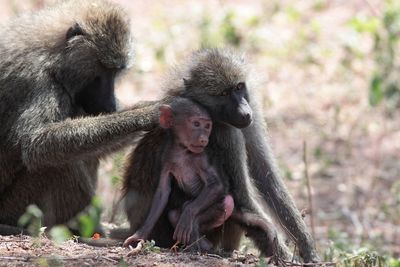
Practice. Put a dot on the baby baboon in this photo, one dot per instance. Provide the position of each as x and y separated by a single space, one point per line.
238 149
188 127
57 106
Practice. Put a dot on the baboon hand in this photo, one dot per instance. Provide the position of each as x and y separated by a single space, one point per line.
184 228
134 239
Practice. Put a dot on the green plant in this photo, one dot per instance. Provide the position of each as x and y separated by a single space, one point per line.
229 30
394 262
32 220
344 254
385 82
150 246
60 234
88 221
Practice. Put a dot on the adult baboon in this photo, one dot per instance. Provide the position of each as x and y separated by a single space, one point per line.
238 148
57 106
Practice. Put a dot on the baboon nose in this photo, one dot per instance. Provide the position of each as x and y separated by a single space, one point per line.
247 116
203 141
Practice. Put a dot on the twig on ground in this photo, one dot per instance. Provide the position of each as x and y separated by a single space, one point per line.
62 258
175 247
215 256
15 241
195 242
109 259
313 264
14 258
137 249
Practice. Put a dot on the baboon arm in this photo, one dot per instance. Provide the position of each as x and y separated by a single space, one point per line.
212 191
235 168
270 185
159 202
53 143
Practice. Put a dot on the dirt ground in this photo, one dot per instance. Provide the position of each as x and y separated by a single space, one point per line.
26 251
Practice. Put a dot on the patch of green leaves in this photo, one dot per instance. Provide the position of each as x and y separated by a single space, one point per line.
364 24
150 246
344 254
60 234
89 220
394 262
32 220
229 30
385 31
375 91
47 262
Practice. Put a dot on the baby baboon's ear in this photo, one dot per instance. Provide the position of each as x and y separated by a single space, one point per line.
166 117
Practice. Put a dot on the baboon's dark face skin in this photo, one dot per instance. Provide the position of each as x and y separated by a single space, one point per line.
233 106
92 58
98 96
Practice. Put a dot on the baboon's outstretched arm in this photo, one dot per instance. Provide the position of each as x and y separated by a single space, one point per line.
71 139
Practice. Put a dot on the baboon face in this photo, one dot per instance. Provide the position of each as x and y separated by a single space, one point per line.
233 106
193 132
96 51
190 124
98 96
218 82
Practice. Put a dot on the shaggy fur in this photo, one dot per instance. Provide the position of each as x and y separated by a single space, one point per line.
49 146
242 156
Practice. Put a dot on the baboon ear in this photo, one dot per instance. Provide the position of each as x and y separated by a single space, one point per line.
74 31
185 82
166 116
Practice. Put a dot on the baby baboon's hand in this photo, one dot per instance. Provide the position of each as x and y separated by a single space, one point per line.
134 239
184 228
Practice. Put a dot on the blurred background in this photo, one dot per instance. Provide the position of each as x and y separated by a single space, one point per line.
328 74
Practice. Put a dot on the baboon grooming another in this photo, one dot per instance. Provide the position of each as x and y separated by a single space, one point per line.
57 106
238 148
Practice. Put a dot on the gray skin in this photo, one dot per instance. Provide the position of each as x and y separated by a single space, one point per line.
238 148
58 109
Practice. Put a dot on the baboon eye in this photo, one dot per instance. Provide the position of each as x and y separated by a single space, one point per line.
196 124
208 125
224 93
240 86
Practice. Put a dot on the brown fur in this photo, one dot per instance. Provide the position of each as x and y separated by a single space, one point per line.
53 64
241 154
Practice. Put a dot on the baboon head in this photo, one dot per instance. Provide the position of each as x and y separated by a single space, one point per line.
96 46
190 124
216 79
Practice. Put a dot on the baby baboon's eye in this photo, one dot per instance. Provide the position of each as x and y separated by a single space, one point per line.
196 124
